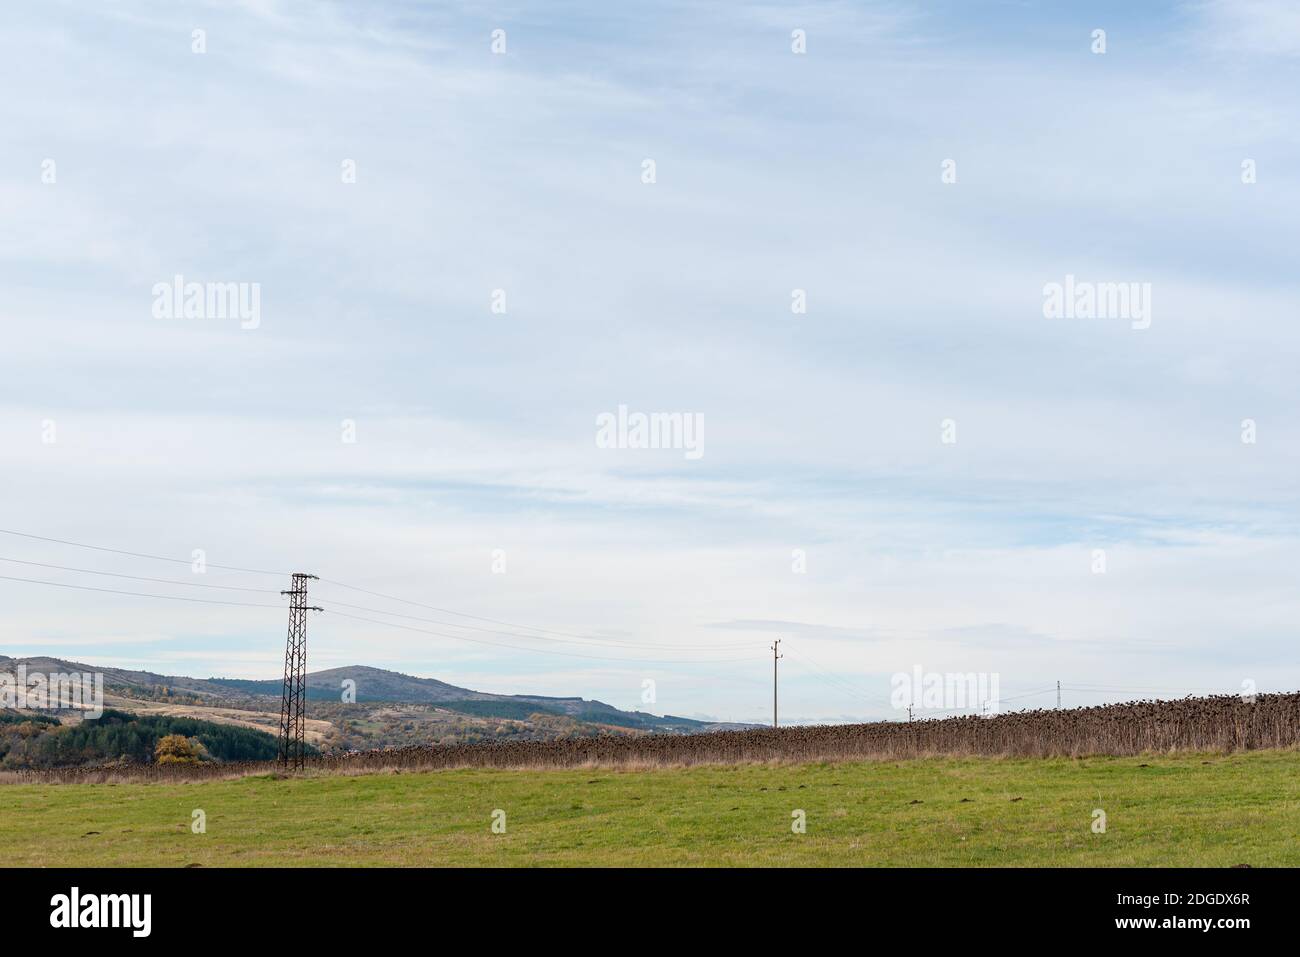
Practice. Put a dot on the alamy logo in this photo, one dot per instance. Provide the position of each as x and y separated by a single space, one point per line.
944 691
74 691
655 430
179 299
103 910
1080 299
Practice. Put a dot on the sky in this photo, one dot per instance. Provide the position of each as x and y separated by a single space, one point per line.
462 262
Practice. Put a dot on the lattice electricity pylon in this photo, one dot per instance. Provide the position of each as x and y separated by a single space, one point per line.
293 721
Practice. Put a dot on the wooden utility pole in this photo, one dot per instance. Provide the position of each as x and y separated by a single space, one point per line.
775 657
1058 696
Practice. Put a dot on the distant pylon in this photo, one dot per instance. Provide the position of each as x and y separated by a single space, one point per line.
292 719
775 657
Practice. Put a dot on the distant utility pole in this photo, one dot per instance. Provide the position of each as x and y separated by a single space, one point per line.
293 721
1058 696
775 657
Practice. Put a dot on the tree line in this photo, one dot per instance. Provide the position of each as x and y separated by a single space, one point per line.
38 741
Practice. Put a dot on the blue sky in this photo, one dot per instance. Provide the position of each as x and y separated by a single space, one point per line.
475 431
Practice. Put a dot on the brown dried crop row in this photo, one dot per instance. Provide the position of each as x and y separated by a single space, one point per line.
1220 723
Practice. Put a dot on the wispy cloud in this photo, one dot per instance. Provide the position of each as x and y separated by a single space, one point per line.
1249 27
825 507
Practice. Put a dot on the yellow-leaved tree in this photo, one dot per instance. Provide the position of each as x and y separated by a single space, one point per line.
178 749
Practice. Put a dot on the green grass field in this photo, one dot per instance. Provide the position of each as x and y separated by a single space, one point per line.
1193 810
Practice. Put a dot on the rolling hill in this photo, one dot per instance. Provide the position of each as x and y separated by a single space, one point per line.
374 687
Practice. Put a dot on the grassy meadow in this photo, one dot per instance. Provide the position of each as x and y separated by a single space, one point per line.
1189 810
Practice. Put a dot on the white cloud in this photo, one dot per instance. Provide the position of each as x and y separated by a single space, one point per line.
1249 27
476 432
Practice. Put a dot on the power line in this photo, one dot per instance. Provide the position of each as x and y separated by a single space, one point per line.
160 558
537 650
137 594
613 642
1105 688
142 578
592 639
836 681
1027 694
843 682
575 638
1000 700
459 614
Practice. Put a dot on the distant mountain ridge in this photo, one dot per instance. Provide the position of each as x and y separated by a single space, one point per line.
372 684
376 685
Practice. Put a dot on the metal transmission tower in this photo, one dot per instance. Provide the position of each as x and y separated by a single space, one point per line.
292 719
